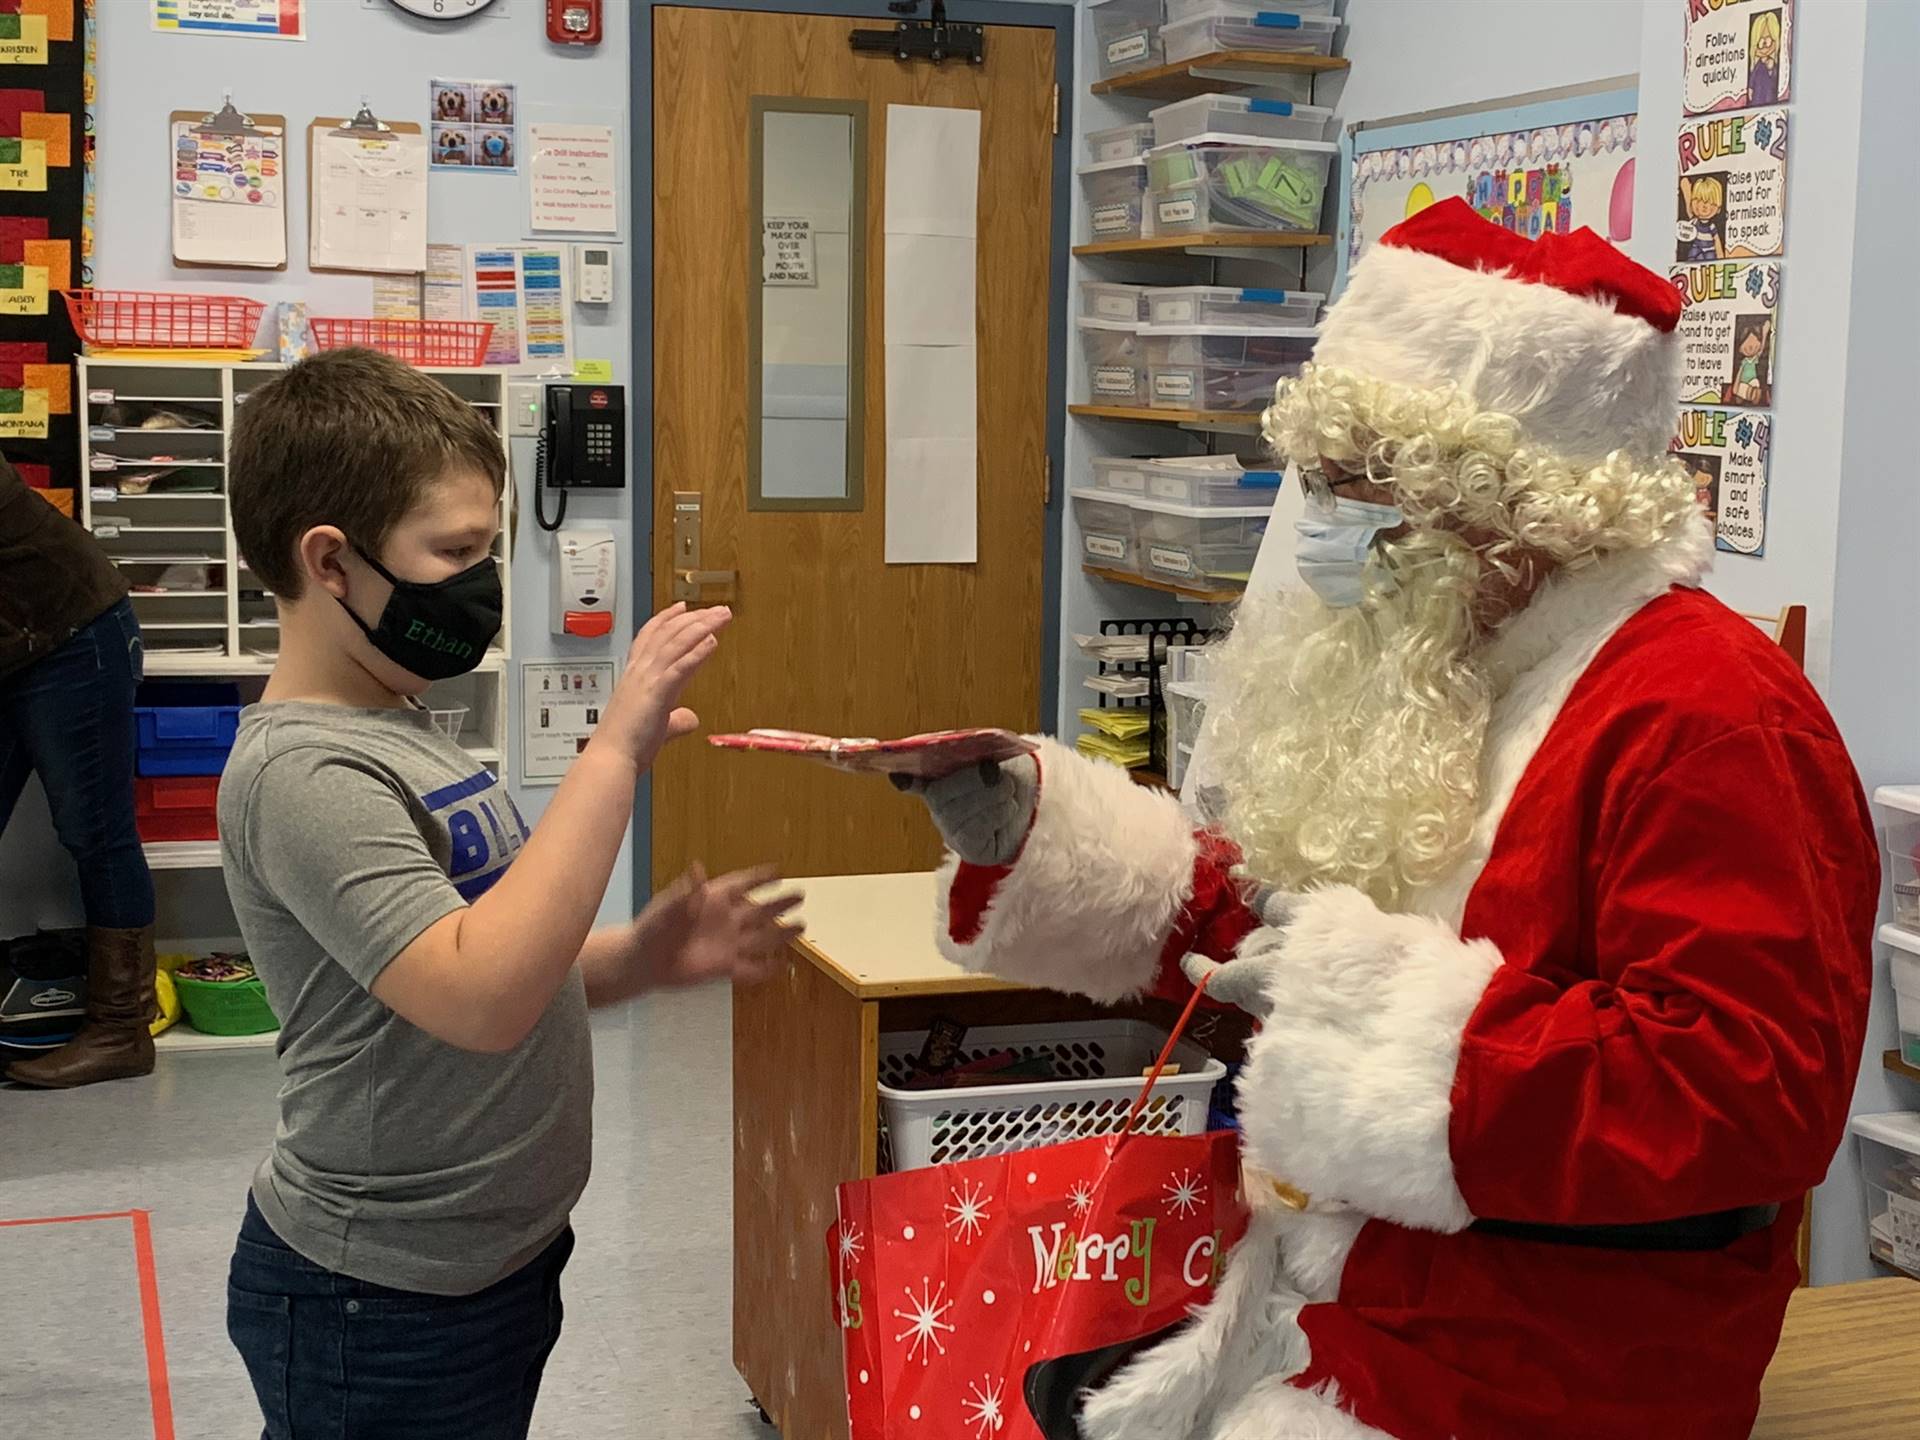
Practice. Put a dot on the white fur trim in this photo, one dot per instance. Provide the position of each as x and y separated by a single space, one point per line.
1535 661
1247 1333
1314 1246
1277 1410
1581 379
1092 900
1347 1091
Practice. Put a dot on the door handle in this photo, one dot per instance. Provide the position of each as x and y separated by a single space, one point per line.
688 585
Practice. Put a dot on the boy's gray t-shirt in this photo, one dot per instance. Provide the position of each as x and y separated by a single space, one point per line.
399 1159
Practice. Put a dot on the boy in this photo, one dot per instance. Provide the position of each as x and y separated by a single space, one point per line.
430 959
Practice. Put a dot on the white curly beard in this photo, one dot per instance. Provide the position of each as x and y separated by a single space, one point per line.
1344 746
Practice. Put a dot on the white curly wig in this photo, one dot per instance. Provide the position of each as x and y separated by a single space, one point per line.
1345 745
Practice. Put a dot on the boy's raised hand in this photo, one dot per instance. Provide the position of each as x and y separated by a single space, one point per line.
699 931
645 712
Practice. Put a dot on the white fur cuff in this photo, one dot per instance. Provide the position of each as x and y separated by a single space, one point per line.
1093 898
1347 1092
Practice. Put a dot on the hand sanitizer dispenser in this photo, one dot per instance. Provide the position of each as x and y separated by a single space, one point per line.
584 580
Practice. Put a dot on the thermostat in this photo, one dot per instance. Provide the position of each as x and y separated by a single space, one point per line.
593 274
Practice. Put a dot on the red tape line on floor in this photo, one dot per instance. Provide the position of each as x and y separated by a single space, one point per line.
159 1390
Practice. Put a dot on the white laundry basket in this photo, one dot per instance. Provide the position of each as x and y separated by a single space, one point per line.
1105 1063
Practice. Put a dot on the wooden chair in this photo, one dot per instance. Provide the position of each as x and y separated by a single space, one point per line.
1789 631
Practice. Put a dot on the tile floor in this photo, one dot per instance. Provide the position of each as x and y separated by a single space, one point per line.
646 1352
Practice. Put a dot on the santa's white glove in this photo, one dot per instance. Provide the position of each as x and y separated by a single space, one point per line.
1243 981
984 811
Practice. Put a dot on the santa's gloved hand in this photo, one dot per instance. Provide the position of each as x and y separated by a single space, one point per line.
984 811
1242 981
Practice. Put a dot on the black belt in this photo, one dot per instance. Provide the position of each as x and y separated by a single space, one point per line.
1689 1232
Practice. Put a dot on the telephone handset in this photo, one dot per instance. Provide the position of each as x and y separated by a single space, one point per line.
583 445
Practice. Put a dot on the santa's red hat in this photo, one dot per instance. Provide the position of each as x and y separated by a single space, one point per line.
1564 334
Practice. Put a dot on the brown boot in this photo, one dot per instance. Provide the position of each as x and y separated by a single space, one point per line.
113 1042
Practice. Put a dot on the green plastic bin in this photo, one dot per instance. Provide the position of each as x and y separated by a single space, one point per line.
226 1007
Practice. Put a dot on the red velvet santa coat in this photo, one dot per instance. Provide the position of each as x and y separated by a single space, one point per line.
1641 996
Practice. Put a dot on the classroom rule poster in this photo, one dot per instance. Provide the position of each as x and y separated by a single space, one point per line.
1733 187
1728 330
1725 452
1738 54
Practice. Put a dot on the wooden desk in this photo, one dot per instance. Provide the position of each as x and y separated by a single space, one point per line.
1845 1368
806 1114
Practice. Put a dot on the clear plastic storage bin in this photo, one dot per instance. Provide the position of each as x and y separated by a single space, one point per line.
1107 532
1901 805
1225 182
1231 305
1890 1168
1237 115
1906 988
1116 193
1204 480
1186 711
1099 1067
1122 142
1200 546
1126 35
1116 363
1216 28
1221 367
1105 300
1179 11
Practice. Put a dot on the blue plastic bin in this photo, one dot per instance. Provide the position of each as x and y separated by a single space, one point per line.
185 729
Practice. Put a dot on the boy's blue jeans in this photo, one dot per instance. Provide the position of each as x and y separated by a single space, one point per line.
69 718
337 1357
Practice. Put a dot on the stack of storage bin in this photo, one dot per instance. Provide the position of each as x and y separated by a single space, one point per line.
1190 520
1193 347
1193 28
1218 181
185 733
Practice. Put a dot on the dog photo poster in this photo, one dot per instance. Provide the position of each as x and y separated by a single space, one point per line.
473 125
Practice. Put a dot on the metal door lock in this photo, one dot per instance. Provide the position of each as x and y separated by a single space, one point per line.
690 582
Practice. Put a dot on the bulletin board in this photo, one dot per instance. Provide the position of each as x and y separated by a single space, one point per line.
46 161
1531 164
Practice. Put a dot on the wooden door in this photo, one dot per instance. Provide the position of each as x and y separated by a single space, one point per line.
827 637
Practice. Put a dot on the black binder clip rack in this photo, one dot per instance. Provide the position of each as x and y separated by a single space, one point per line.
936 39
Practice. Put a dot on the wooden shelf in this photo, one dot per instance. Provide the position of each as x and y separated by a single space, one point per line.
1892 1061
1204 243
1198 597
1150 780
1222 419
1257 69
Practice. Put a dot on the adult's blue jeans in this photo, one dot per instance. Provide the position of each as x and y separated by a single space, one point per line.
68 718
342 1358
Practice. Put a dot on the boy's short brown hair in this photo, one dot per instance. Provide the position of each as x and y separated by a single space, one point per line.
351 438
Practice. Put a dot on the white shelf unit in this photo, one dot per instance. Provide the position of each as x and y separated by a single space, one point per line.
227 631
1086 600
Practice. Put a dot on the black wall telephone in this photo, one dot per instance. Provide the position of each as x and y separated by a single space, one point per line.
583 445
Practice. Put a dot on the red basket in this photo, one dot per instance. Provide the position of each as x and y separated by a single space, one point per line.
418 342
155 321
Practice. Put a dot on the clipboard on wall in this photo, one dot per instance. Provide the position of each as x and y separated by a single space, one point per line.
228 179
367 195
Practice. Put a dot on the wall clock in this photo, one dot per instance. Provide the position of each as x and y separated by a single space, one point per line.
443 9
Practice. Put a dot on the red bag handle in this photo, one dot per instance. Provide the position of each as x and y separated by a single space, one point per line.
1166 1054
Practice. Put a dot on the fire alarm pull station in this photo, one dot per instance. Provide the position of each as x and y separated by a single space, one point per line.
584 581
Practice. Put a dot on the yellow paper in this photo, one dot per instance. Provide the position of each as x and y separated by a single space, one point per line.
593 372
56 130
56 256
55 382
31 47
31 297
30 423
31 172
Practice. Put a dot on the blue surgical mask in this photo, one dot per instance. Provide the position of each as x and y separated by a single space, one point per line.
1335 543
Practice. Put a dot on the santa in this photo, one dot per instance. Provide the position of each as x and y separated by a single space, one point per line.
1547 876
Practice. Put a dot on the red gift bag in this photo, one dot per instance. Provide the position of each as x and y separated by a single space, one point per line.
977 1300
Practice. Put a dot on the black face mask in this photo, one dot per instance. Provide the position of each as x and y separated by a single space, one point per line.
440 630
